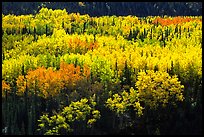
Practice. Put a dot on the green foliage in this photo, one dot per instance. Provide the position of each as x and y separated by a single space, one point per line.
154 89
122 103
60 123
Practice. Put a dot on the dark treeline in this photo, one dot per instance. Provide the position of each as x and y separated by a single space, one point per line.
140 9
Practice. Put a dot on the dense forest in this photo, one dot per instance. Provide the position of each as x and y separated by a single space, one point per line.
67 71
139 9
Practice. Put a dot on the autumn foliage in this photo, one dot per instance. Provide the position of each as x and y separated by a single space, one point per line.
66 73
173 21
47 82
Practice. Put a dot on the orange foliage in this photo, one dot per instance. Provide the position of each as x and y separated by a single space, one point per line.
93 45
5 87
80 45
86 71
69 74
47 82
168 21
21 84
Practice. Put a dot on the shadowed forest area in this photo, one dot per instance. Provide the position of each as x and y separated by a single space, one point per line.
140 9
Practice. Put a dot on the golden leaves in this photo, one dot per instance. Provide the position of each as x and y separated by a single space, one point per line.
158 87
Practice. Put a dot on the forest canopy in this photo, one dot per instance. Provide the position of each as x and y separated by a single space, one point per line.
140 9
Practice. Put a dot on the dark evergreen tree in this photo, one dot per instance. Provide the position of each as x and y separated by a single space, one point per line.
140 9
